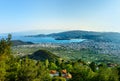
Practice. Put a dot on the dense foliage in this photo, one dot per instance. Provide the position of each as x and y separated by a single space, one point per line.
25 69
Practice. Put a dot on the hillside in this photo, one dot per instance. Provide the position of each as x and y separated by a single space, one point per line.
19 42
43 55
96 36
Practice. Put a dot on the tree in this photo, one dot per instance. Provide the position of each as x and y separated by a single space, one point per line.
58 79
81 73
106 74
69 67
58 61
93 66
42 73
25 69
46 63
5 45
2 70
52 66
5 51
118 72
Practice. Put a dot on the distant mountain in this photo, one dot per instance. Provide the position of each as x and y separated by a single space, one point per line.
43 55
96 36
76 34
30 32
39 35
19 42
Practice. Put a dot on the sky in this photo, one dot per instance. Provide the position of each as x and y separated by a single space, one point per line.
90 15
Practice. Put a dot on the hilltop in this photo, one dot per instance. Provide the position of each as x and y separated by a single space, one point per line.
43 55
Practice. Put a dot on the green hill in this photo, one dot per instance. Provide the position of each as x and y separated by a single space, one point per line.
43 55
19 42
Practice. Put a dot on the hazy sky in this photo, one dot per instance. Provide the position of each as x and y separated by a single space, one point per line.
25 15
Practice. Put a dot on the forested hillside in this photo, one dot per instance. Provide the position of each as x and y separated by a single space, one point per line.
96 36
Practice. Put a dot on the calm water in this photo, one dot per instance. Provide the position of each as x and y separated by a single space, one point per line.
44 39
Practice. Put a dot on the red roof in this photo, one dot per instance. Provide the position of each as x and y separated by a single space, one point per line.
53 71
64 71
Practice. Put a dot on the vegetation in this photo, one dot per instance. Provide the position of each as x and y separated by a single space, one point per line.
26 69
66 52
43 55
19 42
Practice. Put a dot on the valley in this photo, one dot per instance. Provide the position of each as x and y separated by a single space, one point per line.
88 51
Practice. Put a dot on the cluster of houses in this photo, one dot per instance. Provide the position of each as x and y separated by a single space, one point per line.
62 73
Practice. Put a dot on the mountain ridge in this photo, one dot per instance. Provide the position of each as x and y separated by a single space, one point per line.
91 35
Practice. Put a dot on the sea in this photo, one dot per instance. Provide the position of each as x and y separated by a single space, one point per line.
42 39
23 37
